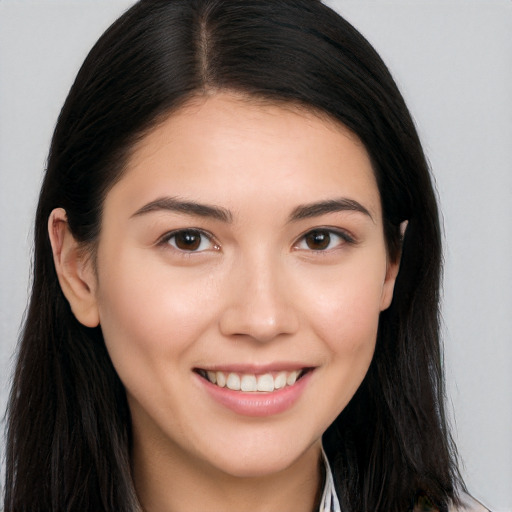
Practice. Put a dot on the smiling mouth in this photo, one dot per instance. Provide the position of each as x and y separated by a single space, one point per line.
251 383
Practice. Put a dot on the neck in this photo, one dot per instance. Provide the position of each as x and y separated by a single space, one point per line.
172 481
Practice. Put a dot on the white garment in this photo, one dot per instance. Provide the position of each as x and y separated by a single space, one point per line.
329 501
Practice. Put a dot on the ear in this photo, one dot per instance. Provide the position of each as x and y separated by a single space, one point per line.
391 273
74 270
389 284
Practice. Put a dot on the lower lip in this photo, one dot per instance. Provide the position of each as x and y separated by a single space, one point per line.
257 403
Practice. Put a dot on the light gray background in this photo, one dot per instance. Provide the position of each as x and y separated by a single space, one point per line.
453 62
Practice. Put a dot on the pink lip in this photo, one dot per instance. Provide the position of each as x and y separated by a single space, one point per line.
256 369
257 404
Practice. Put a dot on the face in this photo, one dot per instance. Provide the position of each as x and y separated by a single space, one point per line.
243 248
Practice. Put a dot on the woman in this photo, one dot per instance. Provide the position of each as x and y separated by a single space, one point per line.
236 271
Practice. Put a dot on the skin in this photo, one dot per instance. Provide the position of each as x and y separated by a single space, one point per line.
255 292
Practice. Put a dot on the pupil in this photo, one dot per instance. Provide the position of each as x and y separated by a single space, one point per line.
188 240
318 240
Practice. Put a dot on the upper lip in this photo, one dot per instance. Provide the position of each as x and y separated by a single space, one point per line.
256 369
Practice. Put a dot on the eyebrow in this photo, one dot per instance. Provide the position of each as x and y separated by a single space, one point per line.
301 212
308 211
174 204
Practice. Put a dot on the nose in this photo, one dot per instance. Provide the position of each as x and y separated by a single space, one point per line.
259 303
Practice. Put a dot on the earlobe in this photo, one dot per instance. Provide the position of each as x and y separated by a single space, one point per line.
74 270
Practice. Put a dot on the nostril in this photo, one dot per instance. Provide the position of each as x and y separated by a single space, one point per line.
261 324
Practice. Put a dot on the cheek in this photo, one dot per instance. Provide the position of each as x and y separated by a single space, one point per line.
351 302
152 315
346 316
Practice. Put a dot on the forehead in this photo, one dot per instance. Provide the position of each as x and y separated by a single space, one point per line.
226 146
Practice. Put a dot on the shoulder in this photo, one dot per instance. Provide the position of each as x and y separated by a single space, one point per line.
468 504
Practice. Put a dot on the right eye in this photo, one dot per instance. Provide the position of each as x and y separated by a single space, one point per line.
189 240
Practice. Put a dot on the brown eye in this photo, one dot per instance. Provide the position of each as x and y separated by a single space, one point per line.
324 239
318 240
189 240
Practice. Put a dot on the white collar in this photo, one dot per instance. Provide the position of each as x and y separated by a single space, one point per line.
329 501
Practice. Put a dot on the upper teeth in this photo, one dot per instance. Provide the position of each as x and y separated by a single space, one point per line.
250 382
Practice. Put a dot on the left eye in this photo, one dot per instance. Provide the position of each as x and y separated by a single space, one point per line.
322 240
189 240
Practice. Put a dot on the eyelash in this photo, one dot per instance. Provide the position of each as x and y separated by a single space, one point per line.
324 231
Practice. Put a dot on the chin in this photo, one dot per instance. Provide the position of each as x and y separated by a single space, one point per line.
259 466
258 462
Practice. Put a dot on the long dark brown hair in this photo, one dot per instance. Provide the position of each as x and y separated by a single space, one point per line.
68 421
